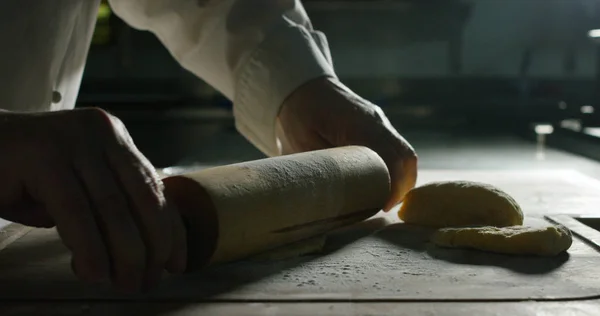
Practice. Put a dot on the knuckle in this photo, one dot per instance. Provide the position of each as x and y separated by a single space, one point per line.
377 110
411 156
154 202
97 115
106 123
157 187
152 192
377 113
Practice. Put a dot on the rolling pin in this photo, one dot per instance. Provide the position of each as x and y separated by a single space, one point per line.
238 210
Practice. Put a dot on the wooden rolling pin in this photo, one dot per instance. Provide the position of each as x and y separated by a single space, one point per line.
238 210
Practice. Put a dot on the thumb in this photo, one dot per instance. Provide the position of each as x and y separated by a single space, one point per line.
403 174
401 161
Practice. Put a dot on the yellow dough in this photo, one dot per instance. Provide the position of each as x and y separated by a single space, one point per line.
458 204
518 240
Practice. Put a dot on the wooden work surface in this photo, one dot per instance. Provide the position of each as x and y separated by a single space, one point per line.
376 264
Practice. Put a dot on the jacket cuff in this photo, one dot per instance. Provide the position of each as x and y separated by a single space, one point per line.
288 57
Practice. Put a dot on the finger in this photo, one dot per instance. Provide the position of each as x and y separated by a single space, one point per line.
177 262
400 160
59 190
394 162
143 188
397 153
377 134
121 235
18 206
145 192
404 177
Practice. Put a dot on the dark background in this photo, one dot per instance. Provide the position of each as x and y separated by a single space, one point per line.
457 69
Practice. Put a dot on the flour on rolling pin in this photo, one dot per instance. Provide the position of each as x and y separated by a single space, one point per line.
238 210
479 216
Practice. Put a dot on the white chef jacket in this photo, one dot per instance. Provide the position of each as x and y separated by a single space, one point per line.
255 52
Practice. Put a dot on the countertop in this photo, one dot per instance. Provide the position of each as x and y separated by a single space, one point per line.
545 183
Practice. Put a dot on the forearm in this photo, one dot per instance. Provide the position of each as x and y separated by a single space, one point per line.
256 52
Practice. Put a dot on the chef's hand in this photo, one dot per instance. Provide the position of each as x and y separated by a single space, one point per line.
79 170
324 113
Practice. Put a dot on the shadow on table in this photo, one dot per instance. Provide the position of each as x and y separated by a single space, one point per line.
417 239
220 282
225 279
37 268
530 265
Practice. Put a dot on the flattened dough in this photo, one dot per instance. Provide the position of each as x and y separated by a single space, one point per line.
518 240
459 204
297 249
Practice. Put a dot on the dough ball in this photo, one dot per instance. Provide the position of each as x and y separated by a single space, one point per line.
518 240
458 204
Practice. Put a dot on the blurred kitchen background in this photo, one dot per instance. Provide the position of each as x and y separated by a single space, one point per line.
471 83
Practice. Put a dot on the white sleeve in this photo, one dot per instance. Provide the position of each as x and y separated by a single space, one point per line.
255 52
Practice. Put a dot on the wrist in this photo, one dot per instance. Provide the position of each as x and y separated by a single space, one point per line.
319 89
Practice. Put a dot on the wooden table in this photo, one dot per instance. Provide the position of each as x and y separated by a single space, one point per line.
380 266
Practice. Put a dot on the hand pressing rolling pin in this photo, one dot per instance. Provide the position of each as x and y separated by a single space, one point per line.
80 171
